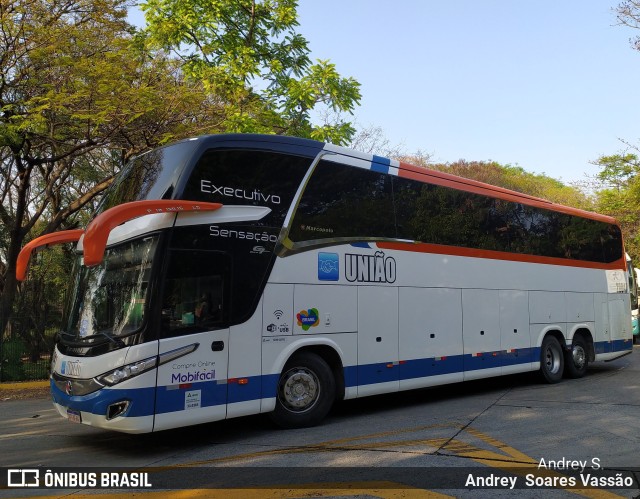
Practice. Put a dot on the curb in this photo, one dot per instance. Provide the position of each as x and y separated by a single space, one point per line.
24 385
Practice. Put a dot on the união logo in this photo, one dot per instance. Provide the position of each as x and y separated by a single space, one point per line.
369 268
328 267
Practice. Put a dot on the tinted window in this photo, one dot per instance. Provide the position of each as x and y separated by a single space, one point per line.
346 202
196 292
150 176
429 213
441 215
241 262
341 201
248 177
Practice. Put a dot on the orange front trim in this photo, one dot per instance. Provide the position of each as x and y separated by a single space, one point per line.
65 236
499 255
97 233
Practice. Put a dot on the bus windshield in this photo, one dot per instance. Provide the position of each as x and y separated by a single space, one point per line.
109 299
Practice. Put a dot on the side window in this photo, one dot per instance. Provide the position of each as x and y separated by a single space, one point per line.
342 201
196 292
439 215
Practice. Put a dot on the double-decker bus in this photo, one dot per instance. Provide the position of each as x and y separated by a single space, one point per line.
229 275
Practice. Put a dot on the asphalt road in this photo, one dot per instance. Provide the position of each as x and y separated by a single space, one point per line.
426 443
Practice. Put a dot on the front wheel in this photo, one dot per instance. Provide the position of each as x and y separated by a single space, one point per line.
577 359
551 360
306 391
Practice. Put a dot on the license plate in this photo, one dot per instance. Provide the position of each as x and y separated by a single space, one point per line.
74 416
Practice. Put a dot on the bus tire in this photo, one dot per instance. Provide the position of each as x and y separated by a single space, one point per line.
551 360
576 359
305 393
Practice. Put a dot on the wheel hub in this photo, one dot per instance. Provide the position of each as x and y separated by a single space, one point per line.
300 389
579 356
552 360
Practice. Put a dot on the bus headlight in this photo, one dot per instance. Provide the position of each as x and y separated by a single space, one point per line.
127 372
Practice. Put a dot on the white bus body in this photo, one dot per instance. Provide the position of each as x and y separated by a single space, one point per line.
337 318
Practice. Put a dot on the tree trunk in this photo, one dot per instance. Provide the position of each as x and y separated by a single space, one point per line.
16 235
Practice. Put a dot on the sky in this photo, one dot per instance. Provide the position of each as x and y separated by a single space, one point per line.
546 85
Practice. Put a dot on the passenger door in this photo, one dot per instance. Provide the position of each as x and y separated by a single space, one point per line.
194 351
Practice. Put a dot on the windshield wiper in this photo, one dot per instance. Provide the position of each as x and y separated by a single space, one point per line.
119 343
80 341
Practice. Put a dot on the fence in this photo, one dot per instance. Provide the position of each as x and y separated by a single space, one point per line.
26 346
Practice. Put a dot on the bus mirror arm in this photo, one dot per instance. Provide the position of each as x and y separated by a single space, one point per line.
65 236
97 233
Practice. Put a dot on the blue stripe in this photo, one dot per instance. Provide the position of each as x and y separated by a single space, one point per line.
351 376
370 374
613 346
520 356
380 164
421 368
211 394
270 385
143 400
252 390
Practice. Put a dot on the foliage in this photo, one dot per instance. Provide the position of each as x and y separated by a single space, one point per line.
61 95
81 91
248 54
11 359
619 195
79 94
619 182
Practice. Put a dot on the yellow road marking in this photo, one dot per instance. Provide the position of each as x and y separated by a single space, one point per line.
500 456
507 459
382 490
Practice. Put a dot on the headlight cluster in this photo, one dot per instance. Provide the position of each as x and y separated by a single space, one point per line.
127 372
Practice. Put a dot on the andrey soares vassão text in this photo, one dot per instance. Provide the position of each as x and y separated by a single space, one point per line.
595 478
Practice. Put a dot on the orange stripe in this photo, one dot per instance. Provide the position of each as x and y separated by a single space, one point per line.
499 255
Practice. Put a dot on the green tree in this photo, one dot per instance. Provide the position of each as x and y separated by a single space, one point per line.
618 195
79 93
248 54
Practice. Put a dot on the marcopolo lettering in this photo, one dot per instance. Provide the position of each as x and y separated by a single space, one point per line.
192 377
369 268
234 192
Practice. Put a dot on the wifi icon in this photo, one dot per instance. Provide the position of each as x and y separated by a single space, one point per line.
278 314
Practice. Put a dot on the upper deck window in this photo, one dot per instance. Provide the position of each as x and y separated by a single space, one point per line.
343 203
150 176
248 177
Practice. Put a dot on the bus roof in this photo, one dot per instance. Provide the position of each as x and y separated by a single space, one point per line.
310 148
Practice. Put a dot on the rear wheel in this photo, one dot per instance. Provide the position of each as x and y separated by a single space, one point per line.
306 391
577 358
551 360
